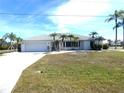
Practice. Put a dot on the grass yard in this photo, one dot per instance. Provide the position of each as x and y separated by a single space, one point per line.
95 72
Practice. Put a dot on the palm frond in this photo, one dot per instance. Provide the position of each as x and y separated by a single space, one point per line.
109 19
121 14
100 38
119 24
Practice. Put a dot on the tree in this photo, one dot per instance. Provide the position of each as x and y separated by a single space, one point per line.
63 37
75 38
100 43
114 17
12 38
93 35
70 36
119 24
1 42
75 41
3 39
18 41
53 35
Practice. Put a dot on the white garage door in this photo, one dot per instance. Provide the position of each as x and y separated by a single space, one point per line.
85 45
36 46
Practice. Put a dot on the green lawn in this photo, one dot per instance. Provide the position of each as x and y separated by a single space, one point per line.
96 72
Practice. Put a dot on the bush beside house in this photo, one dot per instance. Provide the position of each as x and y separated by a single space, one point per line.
98 42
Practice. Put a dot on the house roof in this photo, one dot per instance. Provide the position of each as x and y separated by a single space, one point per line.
40 37
47 37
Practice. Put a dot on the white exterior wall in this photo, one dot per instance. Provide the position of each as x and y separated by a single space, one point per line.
85 45
35 46
70 48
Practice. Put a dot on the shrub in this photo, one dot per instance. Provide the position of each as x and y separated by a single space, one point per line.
98 46
105 46
95 46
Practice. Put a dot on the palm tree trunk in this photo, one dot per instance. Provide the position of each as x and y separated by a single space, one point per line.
11 45
54 46
115 30
123 33
62 46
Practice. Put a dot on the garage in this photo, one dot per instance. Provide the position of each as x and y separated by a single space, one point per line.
35 46
85 45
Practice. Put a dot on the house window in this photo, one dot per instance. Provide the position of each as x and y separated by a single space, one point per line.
72 44
68 44
75 44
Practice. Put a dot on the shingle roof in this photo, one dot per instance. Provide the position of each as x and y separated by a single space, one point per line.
40 37
47 37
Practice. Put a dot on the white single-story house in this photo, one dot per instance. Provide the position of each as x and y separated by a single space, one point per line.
44 43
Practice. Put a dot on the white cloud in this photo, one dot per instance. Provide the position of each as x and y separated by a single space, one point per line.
78 7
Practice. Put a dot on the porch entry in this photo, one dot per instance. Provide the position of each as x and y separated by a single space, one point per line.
58 45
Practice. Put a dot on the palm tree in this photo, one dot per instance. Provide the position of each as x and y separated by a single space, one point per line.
18 41
3 39
53 35
12 38
76 40
71 36
63 37
114 17
119 24
93 34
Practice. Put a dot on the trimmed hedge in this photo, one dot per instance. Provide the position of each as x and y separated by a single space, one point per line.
105 46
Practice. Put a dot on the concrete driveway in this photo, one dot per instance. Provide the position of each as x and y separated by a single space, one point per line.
12 65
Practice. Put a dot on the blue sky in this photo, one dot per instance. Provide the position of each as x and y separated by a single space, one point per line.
28 18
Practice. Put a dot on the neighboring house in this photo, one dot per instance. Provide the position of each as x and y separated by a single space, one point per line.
119 43
45 43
